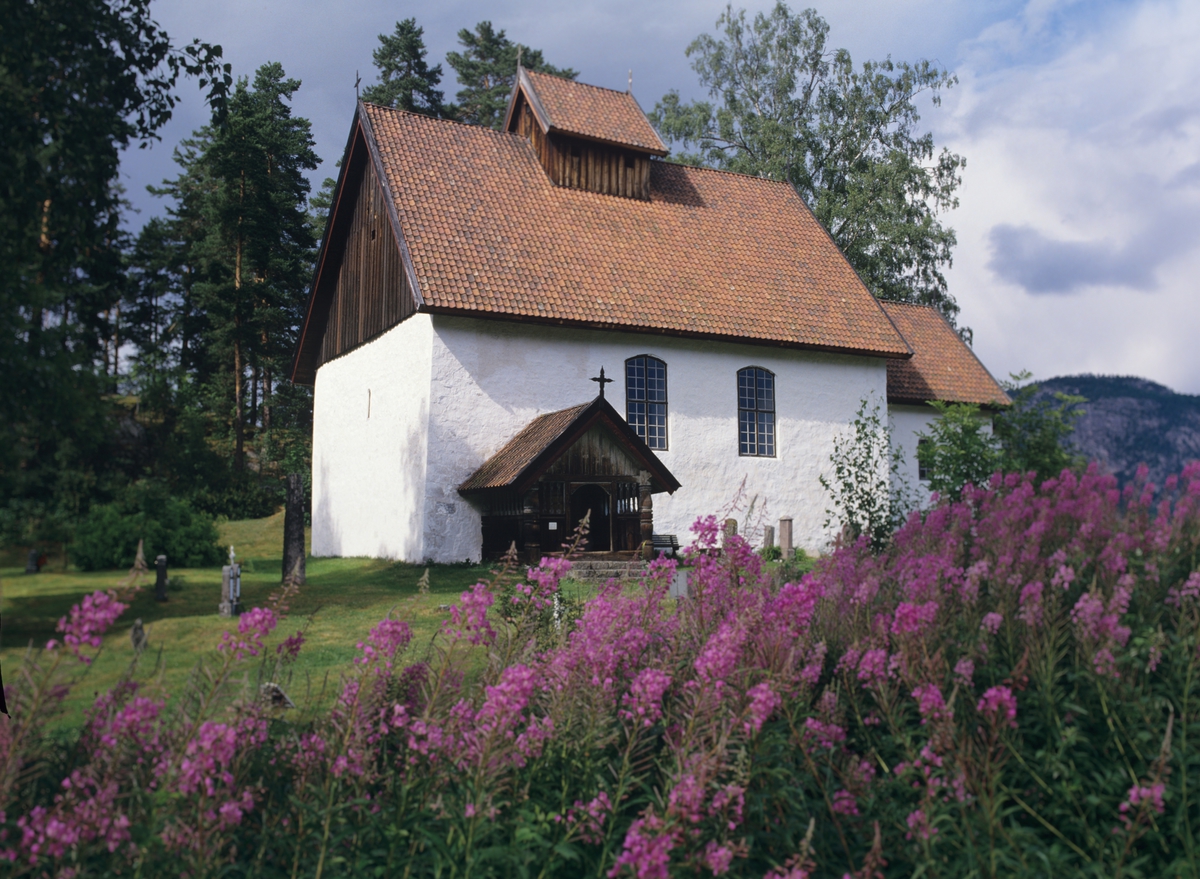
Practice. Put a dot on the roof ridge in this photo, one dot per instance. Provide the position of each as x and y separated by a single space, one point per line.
423 116
666 161
603 88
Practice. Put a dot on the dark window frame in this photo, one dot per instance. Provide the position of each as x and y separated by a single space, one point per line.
757 429
924 472
648 417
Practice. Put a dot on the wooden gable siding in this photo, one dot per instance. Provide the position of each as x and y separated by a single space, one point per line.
596 453
583 164
371 293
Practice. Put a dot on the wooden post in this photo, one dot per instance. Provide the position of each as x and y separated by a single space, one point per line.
730 530
293 531
785 537
533 549
646 508
160 578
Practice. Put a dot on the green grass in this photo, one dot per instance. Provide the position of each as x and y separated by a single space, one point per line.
342 599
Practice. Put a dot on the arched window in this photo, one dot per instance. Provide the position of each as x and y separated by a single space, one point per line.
646 399
756 412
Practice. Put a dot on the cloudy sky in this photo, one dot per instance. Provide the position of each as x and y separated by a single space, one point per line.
1079 222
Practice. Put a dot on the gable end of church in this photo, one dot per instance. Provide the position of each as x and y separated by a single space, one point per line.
362 286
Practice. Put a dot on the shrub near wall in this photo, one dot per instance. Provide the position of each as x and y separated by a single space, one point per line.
1010 689
108 536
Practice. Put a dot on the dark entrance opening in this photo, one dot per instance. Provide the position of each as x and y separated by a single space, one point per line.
594 498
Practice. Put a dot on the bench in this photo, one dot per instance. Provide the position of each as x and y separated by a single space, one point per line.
665 543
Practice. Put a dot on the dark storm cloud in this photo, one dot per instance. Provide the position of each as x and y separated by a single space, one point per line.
1040 264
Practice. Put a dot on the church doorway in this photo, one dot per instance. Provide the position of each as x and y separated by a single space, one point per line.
594 498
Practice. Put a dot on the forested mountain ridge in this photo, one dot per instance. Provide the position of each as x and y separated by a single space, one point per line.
1128 421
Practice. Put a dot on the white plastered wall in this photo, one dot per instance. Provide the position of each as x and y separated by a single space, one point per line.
906 423
490 378
370 447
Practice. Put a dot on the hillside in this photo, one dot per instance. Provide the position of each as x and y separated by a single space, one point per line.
1129 421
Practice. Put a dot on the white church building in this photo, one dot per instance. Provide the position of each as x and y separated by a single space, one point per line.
473 286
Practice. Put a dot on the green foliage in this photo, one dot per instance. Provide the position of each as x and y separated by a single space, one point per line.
108 536
1034 433
80 82
406 81
958 450
867 488
487 69
786 106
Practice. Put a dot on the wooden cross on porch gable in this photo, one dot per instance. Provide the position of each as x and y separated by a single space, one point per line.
602 381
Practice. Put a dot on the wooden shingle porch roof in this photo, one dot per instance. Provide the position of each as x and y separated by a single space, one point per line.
525 457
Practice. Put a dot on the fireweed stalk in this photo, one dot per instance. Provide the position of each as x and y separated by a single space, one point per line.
1008 688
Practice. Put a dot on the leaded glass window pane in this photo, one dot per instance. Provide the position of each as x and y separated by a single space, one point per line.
756 412
646 399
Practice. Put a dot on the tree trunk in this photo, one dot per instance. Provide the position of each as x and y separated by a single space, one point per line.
293 530
238 366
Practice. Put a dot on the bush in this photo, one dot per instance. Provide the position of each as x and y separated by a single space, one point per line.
108 536
1010 688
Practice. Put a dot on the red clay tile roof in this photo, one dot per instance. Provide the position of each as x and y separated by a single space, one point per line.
712 254
541 442
590 111
942 366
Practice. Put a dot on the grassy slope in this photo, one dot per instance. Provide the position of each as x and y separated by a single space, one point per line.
343 597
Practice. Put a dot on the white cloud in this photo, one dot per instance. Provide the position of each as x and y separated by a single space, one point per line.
1079 224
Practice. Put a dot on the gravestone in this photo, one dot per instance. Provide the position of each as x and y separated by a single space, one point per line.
293 530
160 578
137 635
31 562
729 530
768 536
231 587
785 537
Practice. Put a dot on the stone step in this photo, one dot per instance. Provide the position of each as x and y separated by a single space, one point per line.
603 571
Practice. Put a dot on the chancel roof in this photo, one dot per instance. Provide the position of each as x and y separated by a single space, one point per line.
569 107
942 367
711 254
541 442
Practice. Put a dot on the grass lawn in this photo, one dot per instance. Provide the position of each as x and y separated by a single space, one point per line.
342 599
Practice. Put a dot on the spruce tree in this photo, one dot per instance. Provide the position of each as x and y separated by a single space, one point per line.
487 68
406 81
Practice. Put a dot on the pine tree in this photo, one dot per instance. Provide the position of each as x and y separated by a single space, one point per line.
487 68
406 81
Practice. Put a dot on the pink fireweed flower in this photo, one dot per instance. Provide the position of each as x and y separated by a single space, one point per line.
588 818
845 803
1142 796
543 582
643 702
717 857
86 622
384 642
719 658
918 826
964 671
930 703
827 735
1178 596
686 799
1031 605
289 648
647 850
468 619
873 668
253 626
912 618
729 801
1099 627
207 759
999 704
763 702
992 622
